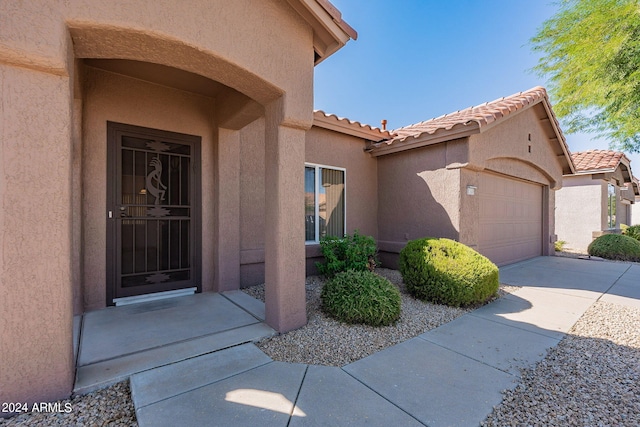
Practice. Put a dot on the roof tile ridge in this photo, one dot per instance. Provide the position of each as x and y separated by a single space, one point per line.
349 121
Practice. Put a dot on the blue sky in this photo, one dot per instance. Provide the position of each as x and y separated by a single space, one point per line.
418 59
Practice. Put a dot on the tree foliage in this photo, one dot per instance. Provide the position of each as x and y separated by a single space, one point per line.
591 54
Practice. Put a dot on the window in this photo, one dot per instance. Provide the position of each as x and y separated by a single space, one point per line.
324 202
611 206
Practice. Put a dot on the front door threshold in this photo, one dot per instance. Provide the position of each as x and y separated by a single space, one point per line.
153 297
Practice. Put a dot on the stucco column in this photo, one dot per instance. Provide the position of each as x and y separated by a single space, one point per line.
227 268
36 320
284 222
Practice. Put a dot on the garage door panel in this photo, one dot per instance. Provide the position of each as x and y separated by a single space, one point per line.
510 219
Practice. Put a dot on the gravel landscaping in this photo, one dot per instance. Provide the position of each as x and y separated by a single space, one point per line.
592 378
325 341
111 406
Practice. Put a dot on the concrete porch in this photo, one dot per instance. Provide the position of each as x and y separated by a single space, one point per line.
113 343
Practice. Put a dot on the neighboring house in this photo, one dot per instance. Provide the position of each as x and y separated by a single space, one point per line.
149 149
597 199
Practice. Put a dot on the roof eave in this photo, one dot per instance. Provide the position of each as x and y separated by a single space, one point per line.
345 126
410 142
330 32
590 172
627 179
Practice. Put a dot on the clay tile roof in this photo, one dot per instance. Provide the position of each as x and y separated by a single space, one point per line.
337 18
479 116
344 125
597 160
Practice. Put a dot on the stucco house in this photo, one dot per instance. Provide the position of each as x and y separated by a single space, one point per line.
597 199
151 149
485 176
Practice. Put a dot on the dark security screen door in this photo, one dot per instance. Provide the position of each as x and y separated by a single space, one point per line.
153 211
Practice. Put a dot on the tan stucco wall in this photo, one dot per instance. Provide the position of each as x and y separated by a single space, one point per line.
622 211
418 196
112 97
252 203
423 191
470 205
323 147
196 35
582 207
36 352
76 190
505 149
623 214
579 211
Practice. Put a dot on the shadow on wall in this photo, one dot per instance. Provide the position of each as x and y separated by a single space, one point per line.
420 210
442 198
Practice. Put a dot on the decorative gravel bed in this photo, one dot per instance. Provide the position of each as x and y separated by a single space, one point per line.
325 341
592 378
111 406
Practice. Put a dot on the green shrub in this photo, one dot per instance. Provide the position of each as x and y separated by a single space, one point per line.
559 245
615 246
355 252
632 231
444 271
361 297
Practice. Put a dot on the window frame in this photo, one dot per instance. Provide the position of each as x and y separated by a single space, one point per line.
317 167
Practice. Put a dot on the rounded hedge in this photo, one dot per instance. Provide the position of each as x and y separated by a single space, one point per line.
444 271
616 247
361 297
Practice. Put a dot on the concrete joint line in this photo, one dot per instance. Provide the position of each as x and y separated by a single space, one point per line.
392 403
202 386
241 307
174 344
614 283
518 264
467 356
295 401
77 358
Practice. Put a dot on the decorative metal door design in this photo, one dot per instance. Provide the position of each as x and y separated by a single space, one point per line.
153 211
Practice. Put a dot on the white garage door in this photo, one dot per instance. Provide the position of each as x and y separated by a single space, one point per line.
510 219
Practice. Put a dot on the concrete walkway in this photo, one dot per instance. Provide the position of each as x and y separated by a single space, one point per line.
449 376
114 343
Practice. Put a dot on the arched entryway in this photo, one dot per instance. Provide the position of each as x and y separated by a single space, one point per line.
152 82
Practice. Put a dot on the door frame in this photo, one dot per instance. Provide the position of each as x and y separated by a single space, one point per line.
114 132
